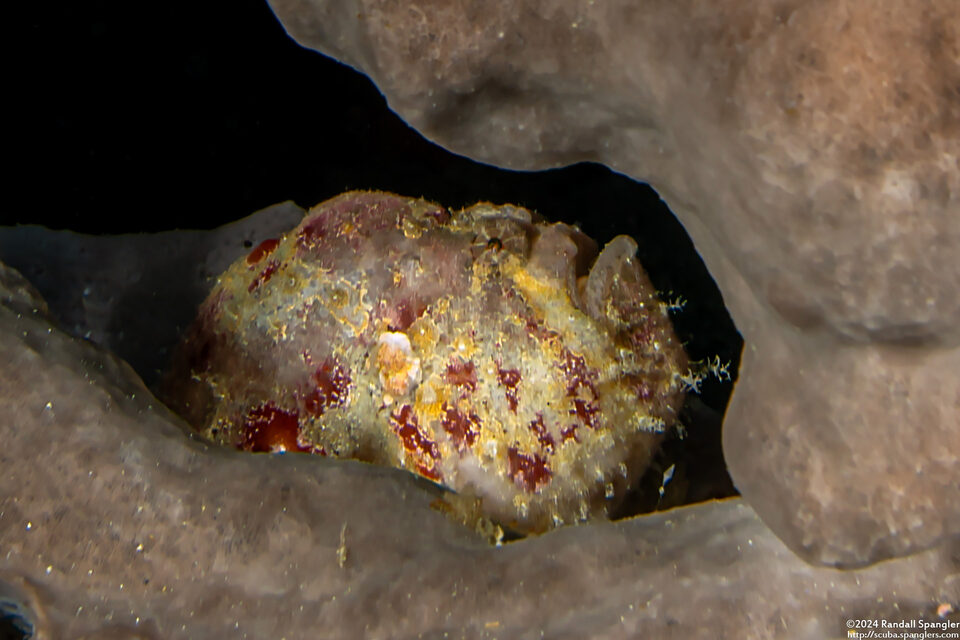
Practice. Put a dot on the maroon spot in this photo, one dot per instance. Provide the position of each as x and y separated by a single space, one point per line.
568 433
464 429
264 248
543 436
406 425
509 378
264 275
578 375
313 232
527 472
331 387
269 429
536 329
462 374
405 313
586 411
429 472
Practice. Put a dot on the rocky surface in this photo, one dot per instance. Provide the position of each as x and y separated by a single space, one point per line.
135 293
809 148
114 523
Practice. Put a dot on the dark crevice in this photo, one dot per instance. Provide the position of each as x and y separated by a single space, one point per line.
14 622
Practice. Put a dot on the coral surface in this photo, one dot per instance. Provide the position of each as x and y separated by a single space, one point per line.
485 350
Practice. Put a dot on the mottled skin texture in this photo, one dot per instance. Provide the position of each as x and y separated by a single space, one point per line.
809 147
497 355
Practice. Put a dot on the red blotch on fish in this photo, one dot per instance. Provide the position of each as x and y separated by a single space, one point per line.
578 375
527 472
536 329
569 433
509 379
462 374
313 232
269 429
264 275
463 429
405 424
331 388
405 313
261 250
540 430
586 411
431 472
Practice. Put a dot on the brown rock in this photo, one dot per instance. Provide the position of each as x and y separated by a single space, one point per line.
134 293
810 149
115 524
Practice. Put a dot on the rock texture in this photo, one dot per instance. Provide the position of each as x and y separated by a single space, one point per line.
114 523
134 294
811 150
488 350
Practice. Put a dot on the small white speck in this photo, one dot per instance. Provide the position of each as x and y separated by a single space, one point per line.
48 406
29 525
49 569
